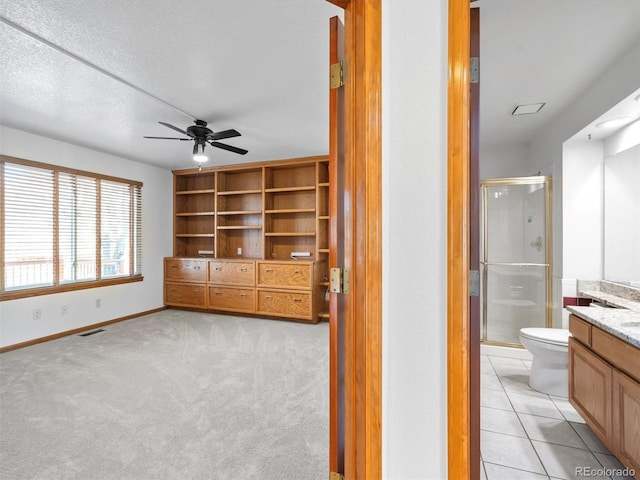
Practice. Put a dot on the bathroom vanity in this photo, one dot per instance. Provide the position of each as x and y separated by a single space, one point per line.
604 372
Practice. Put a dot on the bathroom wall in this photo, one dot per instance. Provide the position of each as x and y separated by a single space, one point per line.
504 160
546 154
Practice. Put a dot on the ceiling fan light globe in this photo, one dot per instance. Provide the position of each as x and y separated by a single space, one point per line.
200 157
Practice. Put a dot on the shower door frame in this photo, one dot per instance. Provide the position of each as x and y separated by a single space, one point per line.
533 180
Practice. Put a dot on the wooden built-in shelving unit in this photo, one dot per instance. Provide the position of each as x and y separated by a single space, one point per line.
258 211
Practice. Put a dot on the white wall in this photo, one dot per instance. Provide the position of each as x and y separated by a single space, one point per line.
618 81
582 210
504 160
16 316
414 415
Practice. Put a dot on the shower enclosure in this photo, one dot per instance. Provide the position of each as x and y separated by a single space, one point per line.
515 257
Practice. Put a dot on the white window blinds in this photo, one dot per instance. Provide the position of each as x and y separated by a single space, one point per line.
62 226
28 226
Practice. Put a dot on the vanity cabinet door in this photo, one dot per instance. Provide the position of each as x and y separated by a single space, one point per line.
626 420
590 388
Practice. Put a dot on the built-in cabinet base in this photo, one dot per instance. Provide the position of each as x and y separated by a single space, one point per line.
283 289
604 387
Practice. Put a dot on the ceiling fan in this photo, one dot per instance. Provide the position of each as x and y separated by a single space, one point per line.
202 135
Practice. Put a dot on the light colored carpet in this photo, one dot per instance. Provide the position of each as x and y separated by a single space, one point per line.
172 395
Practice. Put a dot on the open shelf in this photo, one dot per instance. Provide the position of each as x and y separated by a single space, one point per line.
291 210
290 234
290 189
240 192
195 235
240 227
195 214
196 192
241 212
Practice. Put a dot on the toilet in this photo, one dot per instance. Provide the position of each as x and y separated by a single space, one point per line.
550 350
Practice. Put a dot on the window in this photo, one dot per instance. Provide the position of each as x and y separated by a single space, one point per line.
63 229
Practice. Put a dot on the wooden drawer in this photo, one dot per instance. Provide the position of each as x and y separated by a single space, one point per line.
285 304
184 295
580 329
621 354
224 272
185 270
285 275
232 299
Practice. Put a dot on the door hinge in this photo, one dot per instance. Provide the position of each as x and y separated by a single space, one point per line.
474 283
336 476
339 280
474 68
338 74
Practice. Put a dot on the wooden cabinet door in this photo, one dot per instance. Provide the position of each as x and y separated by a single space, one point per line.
285 275
185 270
626 420
590 388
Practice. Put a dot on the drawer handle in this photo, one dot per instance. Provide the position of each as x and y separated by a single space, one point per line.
218 293
196 267
243 269
297 271
218 269
243 295
269 270
268 297
297 300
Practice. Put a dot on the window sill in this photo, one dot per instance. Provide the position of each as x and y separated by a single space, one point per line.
71 287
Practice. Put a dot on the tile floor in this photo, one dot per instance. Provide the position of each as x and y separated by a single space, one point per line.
529 435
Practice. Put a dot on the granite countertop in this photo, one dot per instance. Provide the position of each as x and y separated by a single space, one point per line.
610 299
623 323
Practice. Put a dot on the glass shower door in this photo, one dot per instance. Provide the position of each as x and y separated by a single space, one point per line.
515 257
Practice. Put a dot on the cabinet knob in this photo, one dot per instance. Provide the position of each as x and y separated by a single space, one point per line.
297 271
218 269
268 270
243 269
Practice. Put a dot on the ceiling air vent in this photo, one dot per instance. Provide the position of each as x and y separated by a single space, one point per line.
527 109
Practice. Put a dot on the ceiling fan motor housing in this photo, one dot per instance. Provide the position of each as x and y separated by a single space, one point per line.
199 130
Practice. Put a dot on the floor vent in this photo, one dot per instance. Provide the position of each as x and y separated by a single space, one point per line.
93 332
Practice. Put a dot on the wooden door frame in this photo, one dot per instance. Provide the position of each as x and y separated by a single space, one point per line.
363 238
460 440
363 362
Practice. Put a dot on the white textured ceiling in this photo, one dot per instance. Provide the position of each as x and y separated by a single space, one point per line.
260 66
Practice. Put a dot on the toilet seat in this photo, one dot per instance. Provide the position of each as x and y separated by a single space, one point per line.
552 336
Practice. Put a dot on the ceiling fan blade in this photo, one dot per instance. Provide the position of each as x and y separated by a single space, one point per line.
172 138
223 134
174 128
224 146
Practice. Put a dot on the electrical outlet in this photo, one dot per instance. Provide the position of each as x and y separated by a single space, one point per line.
37 313
64 309
239 250
98 302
